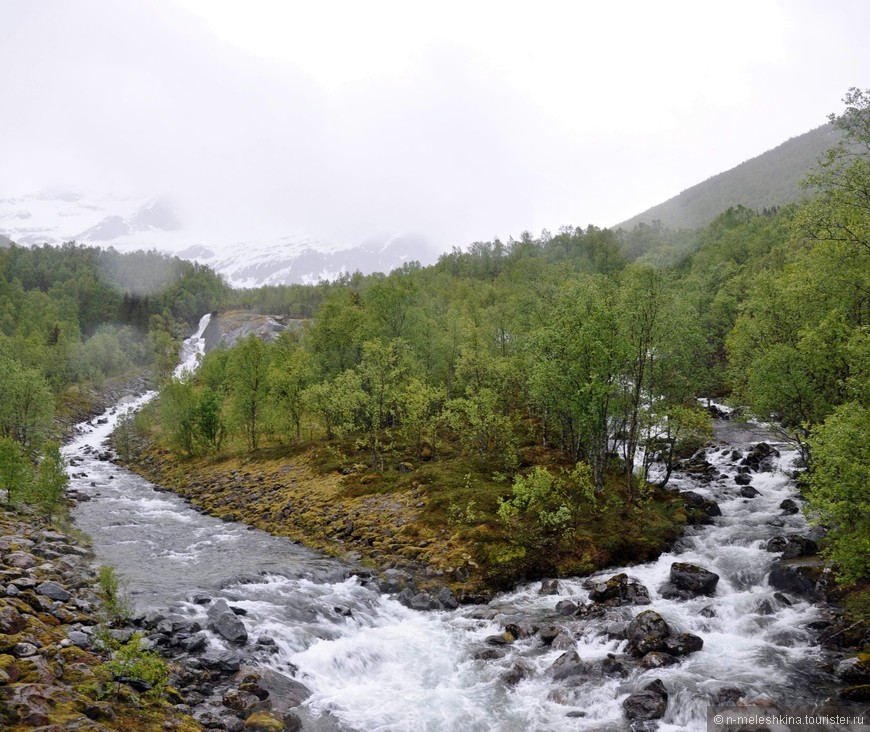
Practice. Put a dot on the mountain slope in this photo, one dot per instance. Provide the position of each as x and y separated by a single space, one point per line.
768 180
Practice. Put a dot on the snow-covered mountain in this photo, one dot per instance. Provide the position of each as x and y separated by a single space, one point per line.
128 223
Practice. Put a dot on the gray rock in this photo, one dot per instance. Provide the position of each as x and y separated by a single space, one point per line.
658 659
689 580
24 650
20 560
226 623
853 670
619 590
567 665
78 638
566 608
447 600
789 507
647 632
54 591
651 702
803 577
683 644
422 601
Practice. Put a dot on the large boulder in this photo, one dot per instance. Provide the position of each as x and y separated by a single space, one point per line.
803 577
226 623
646 633
651 702
683 644
761 457
699 510
567 665
619 590
689 580
793 546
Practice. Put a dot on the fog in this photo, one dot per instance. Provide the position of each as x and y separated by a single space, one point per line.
344 121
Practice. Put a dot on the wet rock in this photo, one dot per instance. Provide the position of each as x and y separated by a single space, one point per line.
859 693
683 644
855 670
789 507
761 457
563 642
226 623
549 587
647 632
728 696
782 598
519 671
242 703
422 601
612 666
689 580
548 633
700 510
619 590
283 692
803 577
793 546
566 608
658 659
748 491
567 665
743 479
616 629
708 612
487 654
651 702
447 600
195 642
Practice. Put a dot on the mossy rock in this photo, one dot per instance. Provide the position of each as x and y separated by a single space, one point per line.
9 671
263 722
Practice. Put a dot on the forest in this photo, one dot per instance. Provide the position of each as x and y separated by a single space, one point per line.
541 389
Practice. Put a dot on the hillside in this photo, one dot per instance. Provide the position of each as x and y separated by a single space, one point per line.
768 180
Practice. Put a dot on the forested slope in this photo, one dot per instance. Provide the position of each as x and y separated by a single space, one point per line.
526 385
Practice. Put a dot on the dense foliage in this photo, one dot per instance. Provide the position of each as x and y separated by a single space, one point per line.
74 315
561 343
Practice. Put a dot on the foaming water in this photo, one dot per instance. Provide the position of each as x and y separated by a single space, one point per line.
374 665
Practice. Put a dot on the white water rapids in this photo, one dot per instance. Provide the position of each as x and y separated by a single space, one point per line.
375 666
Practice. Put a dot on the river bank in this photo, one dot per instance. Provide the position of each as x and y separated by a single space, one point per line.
51 675
433 536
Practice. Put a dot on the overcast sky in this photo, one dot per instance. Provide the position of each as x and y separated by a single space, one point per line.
460 121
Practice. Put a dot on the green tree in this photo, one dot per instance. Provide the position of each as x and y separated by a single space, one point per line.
50 481
177 408
26 405
290 373
247 375
838 488
16 472
840 213
208 420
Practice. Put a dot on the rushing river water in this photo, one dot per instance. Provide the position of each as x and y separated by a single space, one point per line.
374 665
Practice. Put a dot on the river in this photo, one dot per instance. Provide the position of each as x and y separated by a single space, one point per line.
374 665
